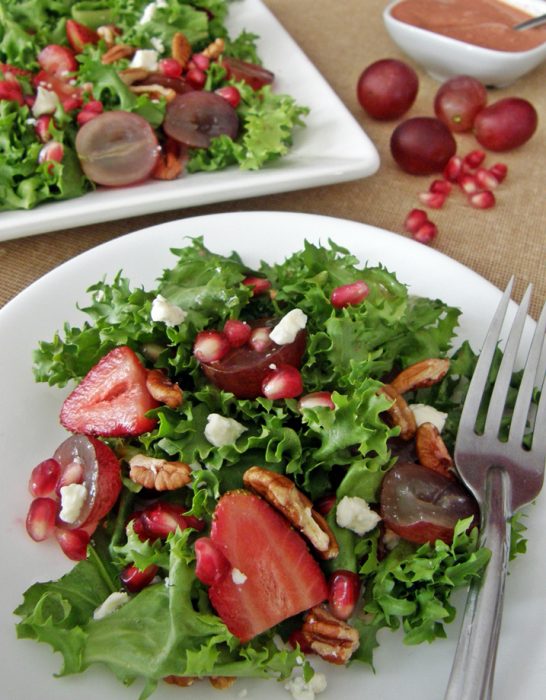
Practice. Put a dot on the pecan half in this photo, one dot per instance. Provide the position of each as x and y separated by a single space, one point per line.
332 639
432 451
171 161
108 33
162 389
181 48
222 682
215 49
420 375
158 474
133 75
182 681
282 494
400 413
154 91
117 52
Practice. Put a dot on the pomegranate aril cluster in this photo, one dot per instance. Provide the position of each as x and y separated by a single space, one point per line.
470 175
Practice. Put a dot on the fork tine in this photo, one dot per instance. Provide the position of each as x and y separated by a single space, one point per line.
481 371
539 436
533 375
506 369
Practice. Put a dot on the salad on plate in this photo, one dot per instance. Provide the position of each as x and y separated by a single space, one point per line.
256 474
114 94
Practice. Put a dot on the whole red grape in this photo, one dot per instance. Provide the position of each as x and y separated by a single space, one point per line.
506 124
422 145
387 88
458 101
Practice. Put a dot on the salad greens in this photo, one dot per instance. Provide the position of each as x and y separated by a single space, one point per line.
267 119
170 628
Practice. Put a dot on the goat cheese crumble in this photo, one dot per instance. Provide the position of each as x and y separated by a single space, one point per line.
72 499
355 514
221 431
428 414
164 311
288 327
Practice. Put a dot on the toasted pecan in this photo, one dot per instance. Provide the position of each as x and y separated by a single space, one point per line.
181 49
214 49
282 493
432 451
332 639
181 681
222 682
171 161
421 374
162 389
400 413
158 474
117 52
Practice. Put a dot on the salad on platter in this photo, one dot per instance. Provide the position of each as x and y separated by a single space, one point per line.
118 93
256 473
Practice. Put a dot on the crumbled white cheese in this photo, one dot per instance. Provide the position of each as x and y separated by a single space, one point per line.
145 58
428 414
110 605
221 431
238 577
73 497
288 327
355 514
169 314
46 102
306 691
157 44
150 9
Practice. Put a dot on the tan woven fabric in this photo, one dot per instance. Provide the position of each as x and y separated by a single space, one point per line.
342 38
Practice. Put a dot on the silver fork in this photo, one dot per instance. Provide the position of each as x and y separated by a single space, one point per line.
503 476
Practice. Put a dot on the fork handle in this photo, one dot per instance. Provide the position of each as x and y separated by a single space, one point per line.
474 663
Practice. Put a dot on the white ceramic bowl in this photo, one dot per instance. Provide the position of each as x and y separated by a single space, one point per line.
443 57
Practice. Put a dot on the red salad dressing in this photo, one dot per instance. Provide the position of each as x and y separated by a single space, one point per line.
486 23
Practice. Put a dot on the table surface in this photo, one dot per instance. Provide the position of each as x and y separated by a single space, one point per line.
341 39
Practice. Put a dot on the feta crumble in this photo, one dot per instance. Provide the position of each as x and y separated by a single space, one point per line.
238 577
428 414
355 514
110 605
73 497
288 327
46 102
145 58
306 691
164 311
150 9
221 431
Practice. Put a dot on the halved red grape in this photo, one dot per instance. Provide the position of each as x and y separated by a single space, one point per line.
421 505
250 73
178 84
387 89
196 117
422 145
117 148
458 101
506 124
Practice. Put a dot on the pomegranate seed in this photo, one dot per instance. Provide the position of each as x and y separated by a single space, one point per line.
469 184
196 78
86 115
237 332
499 170
259 285
259 339
210 346
44 477
72 474
200 61
415 219
94 106
231 94
210 565
135 579
71 103
440 187
474 159
283 382
426 233
73 543
51 151
298 639
349 294
317 398
453 169
159 520
343 592
170 67
41 518
482 200
485 179
42 127
325 504
434 200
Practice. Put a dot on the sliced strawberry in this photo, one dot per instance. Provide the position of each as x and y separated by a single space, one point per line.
272 575
111 399
11 90
71 96
57 60
11 72
79 35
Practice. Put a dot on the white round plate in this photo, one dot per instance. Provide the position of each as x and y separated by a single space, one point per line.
29 432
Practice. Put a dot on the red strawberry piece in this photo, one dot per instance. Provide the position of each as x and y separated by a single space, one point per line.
11 90
210 564
69 95
79 35
57 60
272 577
112 399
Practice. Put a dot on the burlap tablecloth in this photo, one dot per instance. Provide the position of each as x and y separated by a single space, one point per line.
342 38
